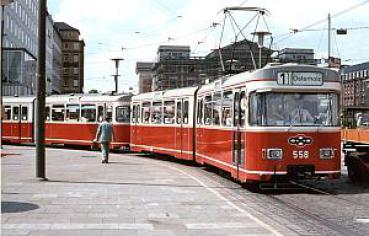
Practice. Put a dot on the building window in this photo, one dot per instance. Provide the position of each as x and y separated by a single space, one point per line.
75 83
76 46
66 45
75 70
75 58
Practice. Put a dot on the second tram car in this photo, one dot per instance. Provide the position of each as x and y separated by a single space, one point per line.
280 121
69 119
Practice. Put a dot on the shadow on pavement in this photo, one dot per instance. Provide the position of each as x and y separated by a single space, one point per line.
14 207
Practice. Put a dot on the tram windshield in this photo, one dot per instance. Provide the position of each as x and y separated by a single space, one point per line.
294 109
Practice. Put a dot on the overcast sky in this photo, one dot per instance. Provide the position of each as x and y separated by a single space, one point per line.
140 26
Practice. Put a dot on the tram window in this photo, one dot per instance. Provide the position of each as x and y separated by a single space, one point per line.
227 109
100 114
200 110
217 99
47 113
24 113
179 112
15 113
145 113
243 106
109 112
138 114
72 112
169 107
88 113
57 112
208 110
133 115
156 114
185 112
236 109
122 114
7 113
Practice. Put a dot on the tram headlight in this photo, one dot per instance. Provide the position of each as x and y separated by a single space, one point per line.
326 153
274 154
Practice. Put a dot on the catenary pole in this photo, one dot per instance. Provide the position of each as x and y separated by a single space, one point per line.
40 96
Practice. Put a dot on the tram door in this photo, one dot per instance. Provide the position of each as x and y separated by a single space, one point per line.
239 112
179 128
16 129
26 128
135 120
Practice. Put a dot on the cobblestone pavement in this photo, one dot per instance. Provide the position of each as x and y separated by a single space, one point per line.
144 196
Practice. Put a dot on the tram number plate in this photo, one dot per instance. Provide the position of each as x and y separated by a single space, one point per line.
301 154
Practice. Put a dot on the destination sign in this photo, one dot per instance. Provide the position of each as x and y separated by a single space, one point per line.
300 78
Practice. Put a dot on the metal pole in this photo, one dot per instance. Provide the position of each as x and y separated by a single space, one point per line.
40 93
329 39
116 61
1 73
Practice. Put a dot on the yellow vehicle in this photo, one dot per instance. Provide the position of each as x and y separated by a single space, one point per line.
355 138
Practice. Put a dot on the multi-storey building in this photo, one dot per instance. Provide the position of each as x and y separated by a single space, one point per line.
355 81
57 81
20 47
176 68
145 73
73 58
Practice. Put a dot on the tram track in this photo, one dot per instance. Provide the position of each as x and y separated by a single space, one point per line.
302 218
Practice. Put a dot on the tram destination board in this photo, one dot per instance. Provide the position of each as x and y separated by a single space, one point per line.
300 78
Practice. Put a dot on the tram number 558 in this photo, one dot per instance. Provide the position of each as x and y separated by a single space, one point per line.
300 154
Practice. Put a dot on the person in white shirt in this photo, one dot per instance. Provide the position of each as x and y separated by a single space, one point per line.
104 135
301 115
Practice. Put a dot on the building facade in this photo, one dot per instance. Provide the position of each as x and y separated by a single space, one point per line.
20 47
145 73
355 83
73 58
57 80
175 67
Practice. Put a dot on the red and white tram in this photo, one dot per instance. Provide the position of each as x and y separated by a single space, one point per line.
279 121
70 119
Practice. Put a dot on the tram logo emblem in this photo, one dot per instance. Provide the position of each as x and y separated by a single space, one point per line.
300 140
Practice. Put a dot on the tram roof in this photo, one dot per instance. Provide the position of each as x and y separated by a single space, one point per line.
87 98
158 95
29 99
266 73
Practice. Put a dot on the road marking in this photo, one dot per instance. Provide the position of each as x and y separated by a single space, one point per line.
76 226
234 225
216 193
364 221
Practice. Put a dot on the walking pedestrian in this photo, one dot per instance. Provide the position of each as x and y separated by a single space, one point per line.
104 135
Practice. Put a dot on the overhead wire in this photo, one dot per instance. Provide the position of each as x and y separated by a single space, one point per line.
290 34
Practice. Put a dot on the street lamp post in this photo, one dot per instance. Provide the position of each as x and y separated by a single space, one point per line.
116 62
3 3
